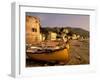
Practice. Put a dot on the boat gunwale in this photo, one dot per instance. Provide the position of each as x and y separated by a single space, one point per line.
46 52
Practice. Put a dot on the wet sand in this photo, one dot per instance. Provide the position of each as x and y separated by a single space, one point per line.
79 52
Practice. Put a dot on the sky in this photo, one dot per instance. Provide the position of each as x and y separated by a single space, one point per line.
62 20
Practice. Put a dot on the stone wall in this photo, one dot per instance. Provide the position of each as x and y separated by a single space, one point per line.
32 29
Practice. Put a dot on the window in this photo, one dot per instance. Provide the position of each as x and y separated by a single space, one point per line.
34 30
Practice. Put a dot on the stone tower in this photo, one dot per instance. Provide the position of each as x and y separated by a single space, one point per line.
32 29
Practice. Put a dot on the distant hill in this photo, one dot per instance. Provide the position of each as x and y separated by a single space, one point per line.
79 31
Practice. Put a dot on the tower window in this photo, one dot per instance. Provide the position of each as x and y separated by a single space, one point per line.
34 30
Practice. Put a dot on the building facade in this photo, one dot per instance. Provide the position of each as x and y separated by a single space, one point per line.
32 29
52 36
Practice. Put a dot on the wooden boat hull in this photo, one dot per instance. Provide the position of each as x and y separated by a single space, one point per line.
56 56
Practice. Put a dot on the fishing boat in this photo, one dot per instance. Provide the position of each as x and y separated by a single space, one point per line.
49 54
